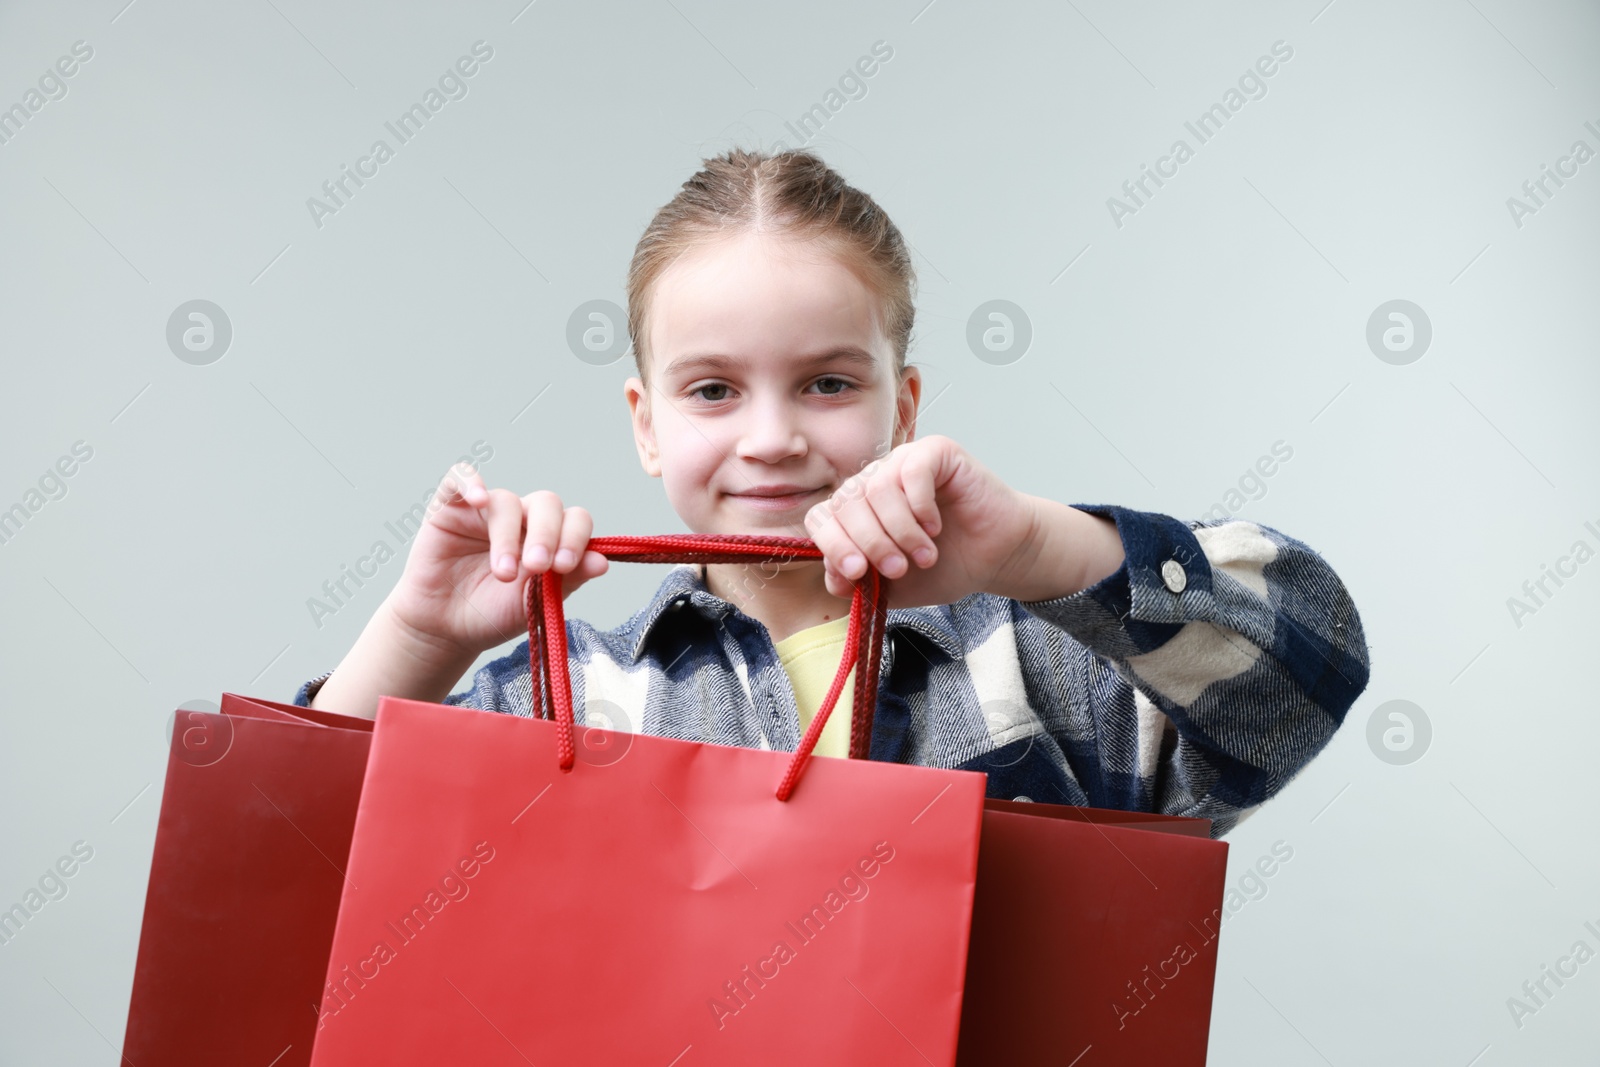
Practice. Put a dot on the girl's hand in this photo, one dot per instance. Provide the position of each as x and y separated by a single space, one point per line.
463 587
926 496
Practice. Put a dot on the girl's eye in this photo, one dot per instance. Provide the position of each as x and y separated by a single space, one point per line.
840 381
710 385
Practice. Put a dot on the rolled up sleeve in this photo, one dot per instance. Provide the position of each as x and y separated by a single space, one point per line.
1225 654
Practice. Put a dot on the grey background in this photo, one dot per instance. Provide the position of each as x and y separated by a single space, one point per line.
1168 354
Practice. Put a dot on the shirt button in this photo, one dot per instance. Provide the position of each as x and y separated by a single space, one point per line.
1028 800
1172 574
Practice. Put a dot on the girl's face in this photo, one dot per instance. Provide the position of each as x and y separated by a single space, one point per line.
771 383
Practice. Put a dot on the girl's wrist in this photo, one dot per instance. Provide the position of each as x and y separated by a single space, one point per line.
429 652
1068 550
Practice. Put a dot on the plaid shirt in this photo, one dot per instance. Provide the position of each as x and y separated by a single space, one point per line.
1197 680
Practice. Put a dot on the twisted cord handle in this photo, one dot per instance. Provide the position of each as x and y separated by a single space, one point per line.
547 633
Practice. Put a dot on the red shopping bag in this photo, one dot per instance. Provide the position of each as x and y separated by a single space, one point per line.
254 832
528 891
1094 938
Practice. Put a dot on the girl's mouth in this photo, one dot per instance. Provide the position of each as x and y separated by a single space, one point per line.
775 502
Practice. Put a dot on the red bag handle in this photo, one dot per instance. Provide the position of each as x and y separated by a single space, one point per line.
547 632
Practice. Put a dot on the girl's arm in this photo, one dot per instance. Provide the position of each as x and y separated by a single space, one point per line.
390 659
1208 670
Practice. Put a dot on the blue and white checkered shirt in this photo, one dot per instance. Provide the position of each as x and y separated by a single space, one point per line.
1197 680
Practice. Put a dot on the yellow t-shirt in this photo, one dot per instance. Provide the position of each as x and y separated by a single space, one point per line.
811 658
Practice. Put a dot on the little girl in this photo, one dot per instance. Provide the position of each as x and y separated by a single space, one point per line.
1077 654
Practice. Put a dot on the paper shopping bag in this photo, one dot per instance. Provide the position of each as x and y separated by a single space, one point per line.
1094 938
530 891
254 832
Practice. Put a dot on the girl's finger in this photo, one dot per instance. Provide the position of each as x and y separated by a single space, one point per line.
835 584
577 525
593 565
542 515
461 482
892 508
822 526
504 519
864 539
919 478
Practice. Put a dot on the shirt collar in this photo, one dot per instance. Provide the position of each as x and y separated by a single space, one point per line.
682 590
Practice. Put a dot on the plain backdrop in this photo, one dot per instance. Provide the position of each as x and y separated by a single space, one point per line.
1170 346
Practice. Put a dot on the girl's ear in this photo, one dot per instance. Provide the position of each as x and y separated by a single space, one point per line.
644 436
906 401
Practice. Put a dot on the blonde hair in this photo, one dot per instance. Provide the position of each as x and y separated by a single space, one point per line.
789 193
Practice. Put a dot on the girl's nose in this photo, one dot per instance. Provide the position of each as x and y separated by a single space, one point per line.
771 432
